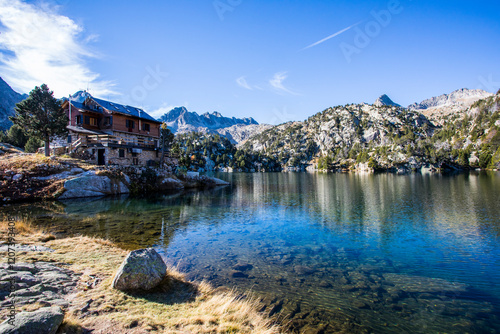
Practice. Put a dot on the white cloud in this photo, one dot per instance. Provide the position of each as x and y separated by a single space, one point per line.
37 45
277 83
242 82
331 36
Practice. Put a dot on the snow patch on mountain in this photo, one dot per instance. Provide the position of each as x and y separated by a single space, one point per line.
238 130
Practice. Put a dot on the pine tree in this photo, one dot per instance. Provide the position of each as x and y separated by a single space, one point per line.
32 145
166 139
41 116
16 136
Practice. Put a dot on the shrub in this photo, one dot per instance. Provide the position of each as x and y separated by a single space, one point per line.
32 145
484 159
16 136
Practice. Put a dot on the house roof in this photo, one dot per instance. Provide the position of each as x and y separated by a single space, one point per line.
84 107
85 131
81 96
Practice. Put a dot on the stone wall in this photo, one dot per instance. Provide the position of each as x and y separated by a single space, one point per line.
112 156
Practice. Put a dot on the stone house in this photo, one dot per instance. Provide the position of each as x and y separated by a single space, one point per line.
109 133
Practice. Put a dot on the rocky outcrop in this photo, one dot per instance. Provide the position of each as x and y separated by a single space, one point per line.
385 100
239 134
347 134
43 321
36 282
8 100
142 269
92 185
446 104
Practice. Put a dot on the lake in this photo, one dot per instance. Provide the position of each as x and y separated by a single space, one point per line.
377 253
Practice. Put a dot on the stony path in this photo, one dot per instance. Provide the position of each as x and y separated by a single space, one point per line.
40 282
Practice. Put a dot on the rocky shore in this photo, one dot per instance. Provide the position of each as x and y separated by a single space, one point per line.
31 177
54 289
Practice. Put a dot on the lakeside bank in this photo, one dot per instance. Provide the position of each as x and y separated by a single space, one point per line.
28 177
51 272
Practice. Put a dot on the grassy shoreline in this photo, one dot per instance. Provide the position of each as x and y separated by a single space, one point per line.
177 306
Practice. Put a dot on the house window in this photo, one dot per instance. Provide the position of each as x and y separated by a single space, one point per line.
129 124
78 119
86 120
93 121
108 120
121 153
146 127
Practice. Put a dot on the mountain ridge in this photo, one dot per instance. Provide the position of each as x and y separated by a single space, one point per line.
180 120
436 108
8 100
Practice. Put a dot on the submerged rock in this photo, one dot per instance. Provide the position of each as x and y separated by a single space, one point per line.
142 269
243 267
238 274
303 270
44 321
421 284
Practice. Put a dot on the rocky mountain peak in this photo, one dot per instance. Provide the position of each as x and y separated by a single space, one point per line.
463 97
8 100
385 100
180 120
457 101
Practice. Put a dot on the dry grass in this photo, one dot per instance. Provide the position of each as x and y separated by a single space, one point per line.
21 163
177 306
25 162
26 234
70 325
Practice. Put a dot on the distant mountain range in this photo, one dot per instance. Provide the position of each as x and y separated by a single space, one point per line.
463 130
437 108
8 100
180 120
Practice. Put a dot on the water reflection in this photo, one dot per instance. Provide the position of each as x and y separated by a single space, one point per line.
353 253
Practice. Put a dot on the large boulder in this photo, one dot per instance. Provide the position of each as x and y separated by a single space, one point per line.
43 321
93 185
142 269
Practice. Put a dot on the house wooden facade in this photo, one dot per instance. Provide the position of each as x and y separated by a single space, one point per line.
111 133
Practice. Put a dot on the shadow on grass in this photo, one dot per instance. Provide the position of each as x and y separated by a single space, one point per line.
172 290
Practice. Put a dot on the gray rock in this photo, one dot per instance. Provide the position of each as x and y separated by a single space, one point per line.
238 274
92 186
243 267
142 269
219 182
44 321
17 267
421 284
303 270
25 293
17 177
27 248
24 277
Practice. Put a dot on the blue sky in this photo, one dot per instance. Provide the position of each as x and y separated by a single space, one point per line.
272 60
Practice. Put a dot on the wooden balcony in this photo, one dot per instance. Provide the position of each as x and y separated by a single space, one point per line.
116 141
